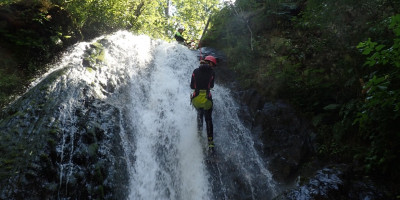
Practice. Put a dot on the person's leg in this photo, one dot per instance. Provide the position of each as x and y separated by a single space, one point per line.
210 128
200 116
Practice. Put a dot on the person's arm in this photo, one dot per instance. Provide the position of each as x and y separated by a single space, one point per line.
212 79
193 82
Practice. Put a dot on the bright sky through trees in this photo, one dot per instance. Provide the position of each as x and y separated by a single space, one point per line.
160 19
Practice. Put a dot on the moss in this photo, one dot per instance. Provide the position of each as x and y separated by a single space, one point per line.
100 191
6 167
93 56
44 157
98 175
96 45
101 56
17 114
89 69
51 187
44 88
93 149
54 131
99 179
51 143
8 162
16 131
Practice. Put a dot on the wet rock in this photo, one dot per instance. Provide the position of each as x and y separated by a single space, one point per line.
286 139
333 182
80 156
61 159
93 56
253 100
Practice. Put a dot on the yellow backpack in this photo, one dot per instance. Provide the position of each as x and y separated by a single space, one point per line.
202 100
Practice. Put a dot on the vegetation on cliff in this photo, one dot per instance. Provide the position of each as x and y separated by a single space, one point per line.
337 61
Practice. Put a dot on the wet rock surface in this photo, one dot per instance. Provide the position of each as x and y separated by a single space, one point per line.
60 141
334 182
287 141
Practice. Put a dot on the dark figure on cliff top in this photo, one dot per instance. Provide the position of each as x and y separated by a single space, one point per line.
178 36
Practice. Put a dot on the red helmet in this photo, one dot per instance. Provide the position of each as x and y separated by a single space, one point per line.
211 59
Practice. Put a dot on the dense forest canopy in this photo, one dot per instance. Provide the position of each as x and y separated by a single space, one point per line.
159 18
36 30
336 61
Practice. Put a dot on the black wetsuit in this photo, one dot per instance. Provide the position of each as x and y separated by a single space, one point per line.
203 79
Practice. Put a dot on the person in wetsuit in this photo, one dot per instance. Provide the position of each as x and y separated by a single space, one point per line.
178 36
202 81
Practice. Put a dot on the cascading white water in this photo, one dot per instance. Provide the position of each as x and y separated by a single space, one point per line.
141 93
168 162
236 147
169 158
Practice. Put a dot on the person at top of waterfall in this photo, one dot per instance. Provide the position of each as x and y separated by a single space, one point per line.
178 36
202 81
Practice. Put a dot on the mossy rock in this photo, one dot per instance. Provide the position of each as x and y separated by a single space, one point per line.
93 149
93 56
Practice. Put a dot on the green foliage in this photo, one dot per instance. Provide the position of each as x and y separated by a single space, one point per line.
248 4
6 2
380 54
230 34
100 16
8 83
379 115
160 19
154 18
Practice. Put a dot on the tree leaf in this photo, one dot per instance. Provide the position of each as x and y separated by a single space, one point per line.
332 107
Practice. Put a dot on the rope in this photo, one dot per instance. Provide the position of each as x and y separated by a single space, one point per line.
201 56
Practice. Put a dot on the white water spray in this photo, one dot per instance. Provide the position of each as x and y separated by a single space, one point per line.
168 158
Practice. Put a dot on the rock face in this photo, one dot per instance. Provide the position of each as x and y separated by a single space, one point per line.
283 137
288 143
334 182
59 140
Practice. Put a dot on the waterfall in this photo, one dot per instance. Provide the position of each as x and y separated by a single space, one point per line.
124 127
168 157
